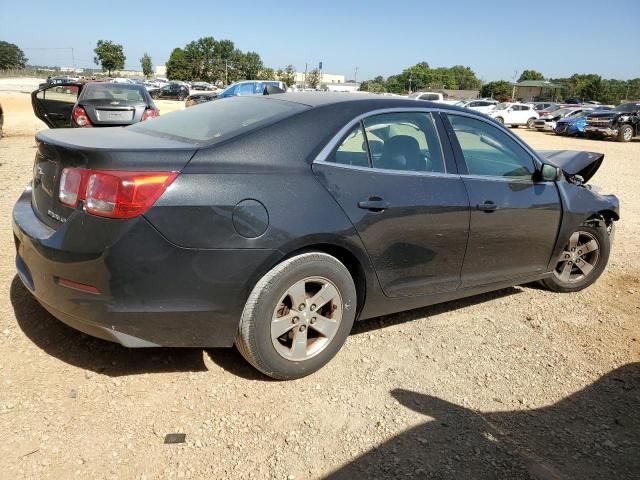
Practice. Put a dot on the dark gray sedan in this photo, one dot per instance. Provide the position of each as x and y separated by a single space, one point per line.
93 104
273 222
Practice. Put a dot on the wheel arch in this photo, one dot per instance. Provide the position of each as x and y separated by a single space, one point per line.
348 258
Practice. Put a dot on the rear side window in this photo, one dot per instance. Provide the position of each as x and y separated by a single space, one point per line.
404 141
352 150
488 151
219 120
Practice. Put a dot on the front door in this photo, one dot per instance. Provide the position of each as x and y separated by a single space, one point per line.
412 214
53 104
514 218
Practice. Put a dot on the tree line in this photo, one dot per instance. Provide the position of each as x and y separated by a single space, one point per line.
219 61
422 77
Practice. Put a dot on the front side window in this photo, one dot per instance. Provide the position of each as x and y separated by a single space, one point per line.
404 141
488 151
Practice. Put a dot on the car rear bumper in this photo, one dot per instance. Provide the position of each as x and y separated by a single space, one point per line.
150 291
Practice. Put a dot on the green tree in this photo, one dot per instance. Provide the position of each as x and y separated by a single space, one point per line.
377 85
288 75
501 90
147 66
530 75
11 56
313 78
178 66
248 65
266 74
109 55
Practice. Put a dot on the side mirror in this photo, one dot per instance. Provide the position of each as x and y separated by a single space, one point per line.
550 173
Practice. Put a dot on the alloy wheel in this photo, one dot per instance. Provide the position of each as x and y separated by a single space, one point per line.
579 258
306 318
628 134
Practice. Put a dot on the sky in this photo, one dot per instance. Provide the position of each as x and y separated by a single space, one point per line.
494 38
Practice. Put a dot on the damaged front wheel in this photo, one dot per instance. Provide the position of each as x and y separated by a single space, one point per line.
582 260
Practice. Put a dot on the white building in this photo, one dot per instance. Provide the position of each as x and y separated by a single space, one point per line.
326 78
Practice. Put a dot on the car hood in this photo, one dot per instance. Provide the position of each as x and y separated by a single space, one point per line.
572 162
572 119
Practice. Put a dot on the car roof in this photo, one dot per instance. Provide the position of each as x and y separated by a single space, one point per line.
318 99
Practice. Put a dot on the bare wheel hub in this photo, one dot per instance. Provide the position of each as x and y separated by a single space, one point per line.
306 318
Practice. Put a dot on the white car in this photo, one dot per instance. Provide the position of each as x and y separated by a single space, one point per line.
437 97
514 114
482 106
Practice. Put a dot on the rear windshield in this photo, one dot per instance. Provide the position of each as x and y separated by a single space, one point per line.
113 92
219 120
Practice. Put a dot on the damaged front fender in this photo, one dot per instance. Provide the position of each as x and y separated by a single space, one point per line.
580 205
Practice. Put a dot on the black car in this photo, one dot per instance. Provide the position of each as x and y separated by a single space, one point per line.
93 105
173 91
198 98
621 123
273 222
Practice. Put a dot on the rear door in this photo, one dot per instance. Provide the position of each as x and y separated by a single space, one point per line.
53 104
398 185
514 218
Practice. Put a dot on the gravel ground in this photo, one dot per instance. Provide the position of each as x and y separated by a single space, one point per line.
519 383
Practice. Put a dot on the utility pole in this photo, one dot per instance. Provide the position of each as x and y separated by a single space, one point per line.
513 92
355 75
304 80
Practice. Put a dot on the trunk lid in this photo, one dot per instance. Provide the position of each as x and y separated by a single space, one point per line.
105 149
571 162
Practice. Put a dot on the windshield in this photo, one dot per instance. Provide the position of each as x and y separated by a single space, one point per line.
461 103
503 106
627 107
113 93
214 122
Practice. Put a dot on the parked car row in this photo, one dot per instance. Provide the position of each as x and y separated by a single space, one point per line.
572 117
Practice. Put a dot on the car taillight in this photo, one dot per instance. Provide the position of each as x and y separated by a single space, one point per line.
113 193
80 118
150 113
70 182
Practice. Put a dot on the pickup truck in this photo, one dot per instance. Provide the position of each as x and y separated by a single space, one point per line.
621 123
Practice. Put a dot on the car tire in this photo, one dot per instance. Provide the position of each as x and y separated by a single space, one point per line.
596 258
531 122
181 97
271 336
625 133
500 120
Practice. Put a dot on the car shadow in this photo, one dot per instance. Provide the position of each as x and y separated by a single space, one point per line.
84 351
377 323
592 434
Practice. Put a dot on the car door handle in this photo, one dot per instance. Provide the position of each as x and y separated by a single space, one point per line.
488 206
375 204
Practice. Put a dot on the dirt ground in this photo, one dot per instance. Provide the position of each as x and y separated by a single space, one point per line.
515 384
